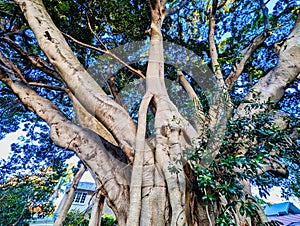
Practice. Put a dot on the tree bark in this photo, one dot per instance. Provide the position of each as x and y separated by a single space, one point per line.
95 219
70 197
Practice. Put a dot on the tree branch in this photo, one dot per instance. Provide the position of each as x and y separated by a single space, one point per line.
265 15
20 217
48 86
12 67
163 2
87 144
201 119
213 48
221 4
249 50
34 60
246 53
221 108
175 9
79 82
106 51
95 35
271 87
274 166
111 86
89 121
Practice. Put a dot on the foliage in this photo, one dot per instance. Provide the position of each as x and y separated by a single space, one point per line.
25 196
77 218
30 175
108 220
219 179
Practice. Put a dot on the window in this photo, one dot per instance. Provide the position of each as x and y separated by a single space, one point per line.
80 197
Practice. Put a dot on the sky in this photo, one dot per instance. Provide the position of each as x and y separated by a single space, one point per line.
5 144
13 138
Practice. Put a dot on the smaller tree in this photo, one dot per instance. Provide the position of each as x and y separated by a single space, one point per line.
25 196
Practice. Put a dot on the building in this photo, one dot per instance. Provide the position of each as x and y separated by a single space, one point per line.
285 213
83 202
83 198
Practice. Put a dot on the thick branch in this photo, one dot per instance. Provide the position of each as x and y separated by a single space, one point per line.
70 196
157 18
273 166
89 121
214 59
81 84
111 173
187 86
201 120
212 45
271 87
221 108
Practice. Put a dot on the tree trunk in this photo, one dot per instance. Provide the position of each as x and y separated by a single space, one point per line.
62 213
145 181
95 219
